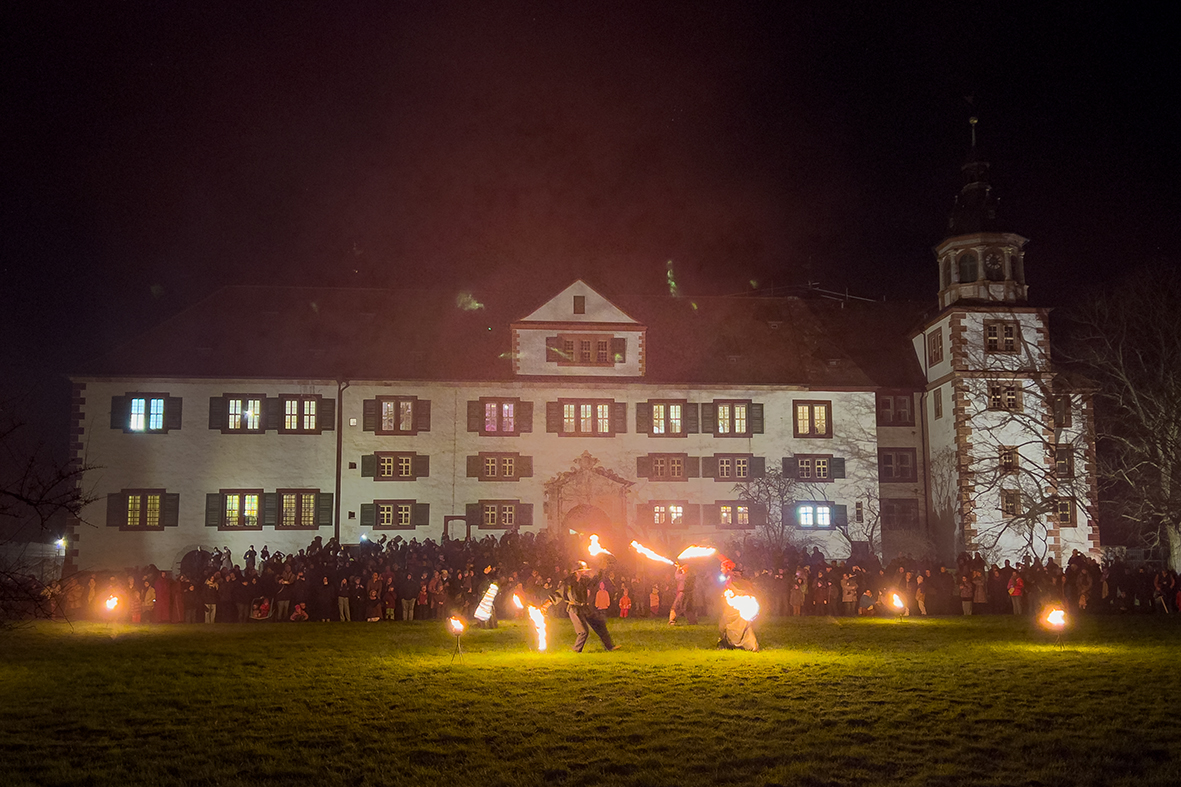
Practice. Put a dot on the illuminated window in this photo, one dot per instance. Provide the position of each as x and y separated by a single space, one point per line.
394 514
297 509
814 515
244 414
146 414
668 514
240 509
813 419
1009 459
143 509
501 514
1064 511
397 415
667 419
491 467
585 350
399 466
585 417
301 415
663 467
731 419
813 468
1004 396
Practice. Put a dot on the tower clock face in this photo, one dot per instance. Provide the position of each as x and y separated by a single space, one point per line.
992 263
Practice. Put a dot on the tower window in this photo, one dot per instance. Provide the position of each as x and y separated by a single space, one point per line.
968 269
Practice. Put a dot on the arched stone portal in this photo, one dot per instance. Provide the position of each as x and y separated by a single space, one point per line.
588 498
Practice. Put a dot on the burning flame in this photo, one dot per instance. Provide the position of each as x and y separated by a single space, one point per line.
898 601
112 602
484 611
648 553
747 606
1056 618
456 626
594 547
692 552
538 618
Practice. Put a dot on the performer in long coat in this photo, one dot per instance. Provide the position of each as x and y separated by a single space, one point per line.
736 632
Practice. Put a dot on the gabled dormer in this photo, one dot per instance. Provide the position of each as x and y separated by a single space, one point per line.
578 333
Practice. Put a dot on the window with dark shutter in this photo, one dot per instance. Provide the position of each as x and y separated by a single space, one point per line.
553 417
619 349
643 418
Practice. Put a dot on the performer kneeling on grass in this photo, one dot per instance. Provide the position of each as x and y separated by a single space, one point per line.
735 631
578 591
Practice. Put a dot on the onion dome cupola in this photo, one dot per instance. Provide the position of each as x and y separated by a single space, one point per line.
978 262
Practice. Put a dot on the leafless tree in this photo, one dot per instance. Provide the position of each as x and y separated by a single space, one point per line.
36 494
1127 340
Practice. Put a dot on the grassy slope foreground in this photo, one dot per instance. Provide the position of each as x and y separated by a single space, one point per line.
955 701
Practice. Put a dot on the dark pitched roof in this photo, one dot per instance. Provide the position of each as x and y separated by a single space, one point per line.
325 333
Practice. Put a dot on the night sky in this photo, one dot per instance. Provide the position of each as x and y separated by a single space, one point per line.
154 152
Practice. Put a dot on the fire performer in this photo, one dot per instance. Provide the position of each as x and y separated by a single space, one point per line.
739 608
578 591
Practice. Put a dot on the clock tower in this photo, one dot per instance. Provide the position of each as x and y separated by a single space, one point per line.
978 263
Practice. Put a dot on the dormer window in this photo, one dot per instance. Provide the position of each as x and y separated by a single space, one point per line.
586 350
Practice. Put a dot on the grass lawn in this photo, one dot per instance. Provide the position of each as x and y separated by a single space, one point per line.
954 701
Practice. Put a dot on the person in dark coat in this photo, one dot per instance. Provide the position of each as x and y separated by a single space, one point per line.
163 598
578 591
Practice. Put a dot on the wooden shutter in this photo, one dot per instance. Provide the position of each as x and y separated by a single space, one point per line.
325 509
217 412
524 514
791 467
475 416
836 467
369 465
758 514
120 412
692 418
524 416
619 417
420 514
709 467
553 349
422 415
369 415
758 467
643 417
326 415
170 509
270 509
692 467
272 412
692 516
756 418
553 417
840 516
172 409
368 515
524 467
644 515
472 513
475 466
619 349
420 466
213 508
643 466
788 512
116 509
711 514
709 417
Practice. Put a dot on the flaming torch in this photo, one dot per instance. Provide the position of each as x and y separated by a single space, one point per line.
695 551
456 626
1055 620
747 606
112 602
899 605
648 553
594 547
484 611
538 618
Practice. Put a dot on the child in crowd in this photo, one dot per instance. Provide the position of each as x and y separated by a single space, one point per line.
625 603
654 601
602 598
300 613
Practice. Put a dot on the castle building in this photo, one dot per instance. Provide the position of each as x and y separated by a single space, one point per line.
277 414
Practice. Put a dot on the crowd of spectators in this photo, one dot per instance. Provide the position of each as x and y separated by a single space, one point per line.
398 580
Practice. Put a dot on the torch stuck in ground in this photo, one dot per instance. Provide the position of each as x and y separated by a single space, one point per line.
456 626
